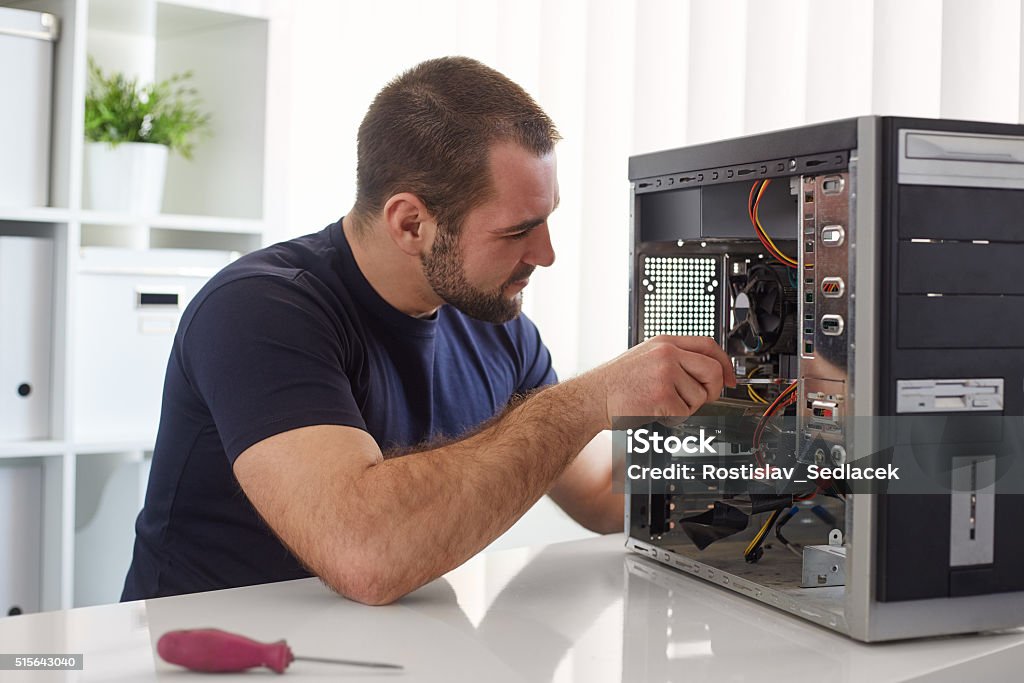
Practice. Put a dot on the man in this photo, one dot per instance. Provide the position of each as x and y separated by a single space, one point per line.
302 372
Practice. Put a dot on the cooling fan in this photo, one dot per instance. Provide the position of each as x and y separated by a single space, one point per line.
764 311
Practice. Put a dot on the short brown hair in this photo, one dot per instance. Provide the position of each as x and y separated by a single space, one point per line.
430 130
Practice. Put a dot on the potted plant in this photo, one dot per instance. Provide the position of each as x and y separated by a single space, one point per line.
129 129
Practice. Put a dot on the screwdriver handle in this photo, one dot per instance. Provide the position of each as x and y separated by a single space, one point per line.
212 650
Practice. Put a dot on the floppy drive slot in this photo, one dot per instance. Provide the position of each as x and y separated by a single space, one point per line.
948 395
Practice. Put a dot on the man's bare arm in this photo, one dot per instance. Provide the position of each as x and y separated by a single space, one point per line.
376 529
584 490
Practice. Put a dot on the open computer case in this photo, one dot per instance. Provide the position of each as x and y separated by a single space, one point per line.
876 266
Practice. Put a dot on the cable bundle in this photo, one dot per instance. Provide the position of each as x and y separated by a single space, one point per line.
786 398
753 201
752 393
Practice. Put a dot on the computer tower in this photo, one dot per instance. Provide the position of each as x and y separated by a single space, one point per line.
863 276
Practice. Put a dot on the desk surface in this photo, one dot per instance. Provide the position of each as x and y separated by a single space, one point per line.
580 611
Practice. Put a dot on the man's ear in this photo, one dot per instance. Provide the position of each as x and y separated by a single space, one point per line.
409 225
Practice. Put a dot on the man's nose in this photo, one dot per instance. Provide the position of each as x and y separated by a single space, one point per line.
541 252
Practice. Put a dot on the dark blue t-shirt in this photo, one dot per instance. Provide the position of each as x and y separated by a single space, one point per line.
292 336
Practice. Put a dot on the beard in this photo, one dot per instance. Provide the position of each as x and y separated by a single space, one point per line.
445 273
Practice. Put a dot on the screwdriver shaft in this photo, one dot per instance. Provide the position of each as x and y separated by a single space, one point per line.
350 662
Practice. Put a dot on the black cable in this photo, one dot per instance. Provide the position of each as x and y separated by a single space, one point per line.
782 522
754 552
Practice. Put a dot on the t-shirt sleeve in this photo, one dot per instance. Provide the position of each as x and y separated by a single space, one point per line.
267 357
536 359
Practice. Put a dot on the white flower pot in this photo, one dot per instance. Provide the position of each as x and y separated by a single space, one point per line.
127 178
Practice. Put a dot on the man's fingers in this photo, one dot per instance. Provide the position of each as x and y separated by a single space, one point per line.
693 393
667 376
707 346
707 371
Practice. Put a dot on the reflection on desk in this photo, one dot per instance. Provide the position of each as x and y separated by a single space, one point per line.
682 629
580 611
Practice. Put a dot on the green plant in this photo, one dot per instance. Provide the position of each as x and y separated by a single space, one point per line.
118 109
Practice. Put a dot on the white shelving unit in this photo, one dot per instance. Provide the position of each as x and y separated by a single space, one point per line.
216 205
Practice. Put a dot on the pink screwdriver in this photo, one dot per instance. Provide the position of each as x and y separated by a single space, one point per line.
214 651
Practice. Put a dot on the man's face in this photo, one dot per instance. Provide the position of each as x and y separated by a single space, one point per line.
482 267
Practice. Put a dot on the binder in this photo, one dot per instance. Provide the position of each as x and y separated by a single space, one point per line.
26 44
26 315
21 553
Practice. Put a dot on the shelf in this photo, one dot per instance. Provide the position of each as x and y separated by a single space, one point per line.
213 211
241 226
217 224
190 16
31 449
94 447
178 16
245 226
35 215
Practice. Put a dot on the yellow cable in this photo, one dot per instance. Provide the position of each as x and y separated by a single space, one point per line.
751 392
760 535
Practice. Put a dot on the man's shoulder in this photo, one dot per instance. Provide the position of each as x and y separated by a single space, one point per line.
296 273
285 261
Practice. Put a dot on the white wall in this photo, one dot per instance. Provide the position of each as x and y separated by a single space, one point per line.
621 78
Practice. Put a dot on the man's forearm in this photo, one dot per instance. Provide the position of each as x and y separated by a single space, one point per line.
411 519
585 491
606 514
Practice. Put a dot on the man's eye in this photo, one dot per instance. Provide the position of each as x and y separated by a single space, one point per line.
518 235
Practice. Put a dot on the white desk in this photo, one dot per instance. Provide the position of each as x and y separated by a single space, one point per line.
580 611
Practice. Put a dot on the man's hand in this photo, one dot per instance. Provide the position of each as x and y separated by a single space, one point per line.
665 376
